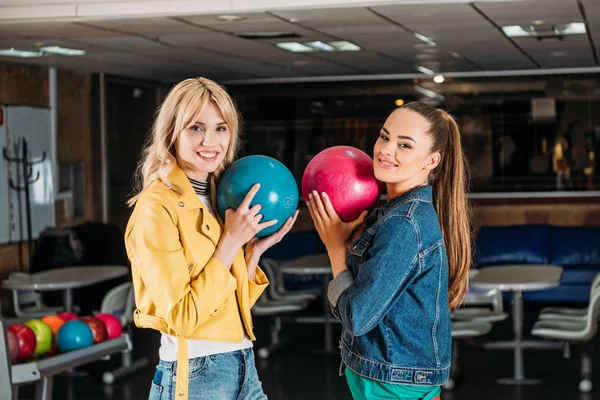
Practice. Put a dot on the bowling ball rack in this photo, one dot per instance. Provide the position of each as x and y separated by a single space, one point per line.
41 372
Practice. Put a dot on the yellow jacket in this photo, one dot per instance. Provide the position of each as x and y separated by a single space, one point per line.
180 287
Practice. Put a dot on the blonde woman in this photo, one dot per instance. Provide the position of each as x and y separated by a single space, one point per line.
196 277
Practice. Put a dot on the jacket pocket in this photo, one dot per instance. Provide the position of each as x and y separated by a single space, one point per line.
220 309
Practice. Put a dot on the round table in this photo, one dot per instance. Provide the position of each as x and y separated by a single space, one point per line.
66 279
518 278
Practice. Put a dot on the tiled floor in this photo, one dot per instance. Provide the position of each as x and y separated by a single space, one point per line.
298 373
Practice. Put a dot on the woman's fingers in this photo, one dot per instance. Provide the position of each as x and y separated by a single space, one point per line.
318 203
329 207
266 224
255 209
313 212
288 224
249 196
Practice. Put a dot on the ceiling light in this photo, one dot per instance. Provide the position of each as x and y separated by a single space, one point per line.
230 18
318 45
576 28
62 51
518 31
19 53
294 20
399 102
424 70
343 45
294 47
455 55
425 39
539 22
559 53
438 79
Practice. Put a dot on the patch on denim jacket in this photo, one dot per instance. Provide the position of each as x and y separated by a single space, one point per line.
410 376
402 375
423 376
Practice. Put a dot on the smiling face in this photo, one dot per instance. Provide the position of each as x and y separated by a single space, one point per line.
402 156
202 146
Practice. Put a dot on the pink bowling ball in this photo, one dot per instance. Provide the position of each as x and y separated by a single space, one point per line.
112 323
346 174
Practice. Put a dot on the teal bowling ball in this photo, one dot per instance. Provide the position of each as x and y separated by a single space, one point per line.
74 335
278 193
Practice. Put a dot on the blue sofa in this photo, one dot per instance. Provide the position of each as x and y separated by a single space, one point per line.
576 249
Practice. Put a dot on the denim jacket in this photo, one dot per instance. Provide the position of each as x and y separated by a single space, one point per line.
393 299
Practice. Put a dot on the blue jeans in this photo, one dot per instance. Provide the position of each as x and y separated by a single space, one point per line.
226 376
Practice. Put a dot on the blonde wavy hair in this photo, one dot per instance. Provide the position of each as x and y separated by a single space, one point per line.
179 111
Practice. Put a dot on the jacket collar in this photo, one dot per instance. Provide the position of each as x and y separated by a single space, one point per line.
189 198
422 193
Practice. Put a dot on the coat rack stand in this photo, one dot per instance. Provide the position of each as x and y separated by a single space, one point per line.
25 165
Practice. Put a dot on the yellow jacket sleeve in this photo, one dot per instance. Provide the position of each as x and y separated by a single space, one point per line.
257 286
154 241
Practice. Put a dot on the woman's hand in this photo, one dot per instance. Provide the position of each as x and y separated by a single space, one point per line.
256 247
336 234
244 223
240 227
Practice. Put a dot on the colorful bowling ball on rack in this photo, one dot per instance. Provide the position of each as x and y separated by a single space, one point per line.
43 336
25 338
13 346
54 322
112 324
67 316
97 327
74 335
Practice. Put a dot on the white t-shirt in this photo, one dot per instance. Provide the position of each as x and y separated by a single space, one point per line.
199 348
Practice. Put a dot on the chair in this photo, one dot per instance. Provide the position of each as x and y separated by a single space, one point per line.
276 308
120 301
463 330
567 313
472 310
277 290
575 332
28 303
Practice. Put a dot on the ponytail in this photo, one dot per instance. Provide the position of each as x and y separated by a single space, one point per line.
450 200
449 182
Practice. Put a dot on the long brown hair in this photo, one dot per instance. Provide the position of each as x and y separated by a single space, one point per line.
449 183
179 111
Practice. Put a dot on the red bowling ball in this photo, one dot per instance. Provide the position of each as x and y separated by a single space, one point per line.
67 316
346 174
112 323
13 346
97 327
25 338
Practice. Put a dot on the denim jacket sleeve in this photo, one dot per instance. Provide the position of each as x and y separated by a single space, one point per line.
361 302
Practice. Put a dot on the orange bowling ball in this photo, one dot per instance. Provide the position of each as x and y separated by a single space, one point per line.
54 323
